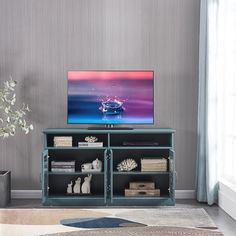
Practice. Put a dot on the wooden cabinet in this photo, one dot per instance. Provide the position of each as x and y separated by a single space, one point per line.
108 186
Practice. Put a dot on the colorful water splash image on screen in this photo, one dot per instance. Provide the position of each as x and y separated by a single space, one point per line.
110 97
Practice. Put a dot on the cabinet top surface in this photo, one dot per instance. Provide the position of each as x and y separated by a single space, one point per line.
115 131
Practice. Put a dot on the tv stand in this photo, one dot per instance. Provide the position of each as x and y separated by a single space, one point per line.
108 187
110 127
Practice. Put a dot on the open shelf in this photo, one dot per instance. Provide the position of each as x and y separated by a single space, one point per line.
80 156
58 184
154 140
121 182
118 155
77 137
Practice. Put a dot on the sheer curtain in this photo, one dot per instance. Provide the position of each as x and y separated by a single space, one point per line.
217 97
227 74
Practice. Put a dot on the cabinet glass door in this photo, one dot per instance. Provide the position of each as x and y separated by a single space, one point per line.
172 174
44 174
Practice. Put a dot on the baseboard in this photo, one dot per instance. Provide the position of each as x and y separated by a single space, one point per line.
37 194
185 194
26 194
227 196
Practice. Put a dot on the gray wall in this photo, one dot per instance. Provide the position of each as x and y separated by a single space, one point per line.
41 40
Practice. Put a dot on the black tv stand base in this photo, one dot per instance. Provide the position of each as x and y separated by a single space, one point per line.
111 128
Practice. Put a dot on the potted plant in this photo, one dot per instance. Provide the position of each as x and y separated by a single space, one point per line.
12 118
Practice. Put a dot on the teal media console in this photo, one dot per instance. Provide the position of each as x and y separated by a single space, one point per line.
108 186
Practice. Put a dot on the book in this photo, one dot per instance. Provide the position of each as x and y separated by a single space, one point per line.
62 167
62 141
63 138
86 144
62 162
62 170
154 164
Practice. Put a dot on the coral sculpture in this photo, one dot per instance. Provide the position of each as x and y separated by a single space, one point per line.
91 139
127 165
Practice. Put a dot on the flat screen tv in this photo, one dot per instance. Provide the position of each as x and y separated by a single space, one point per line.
110 97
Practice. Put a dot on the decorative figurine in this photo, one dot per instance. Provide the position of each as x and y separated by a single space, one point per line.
91 139
97 165
77 185
127 165
86 184
86 167
69 187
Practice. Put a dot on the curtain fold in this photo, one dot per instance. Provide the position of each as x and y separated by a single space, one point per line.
208 121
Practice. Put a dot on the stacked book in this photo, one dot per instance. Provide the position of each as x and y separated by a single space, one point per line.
154 164
63 166
87 144
62 141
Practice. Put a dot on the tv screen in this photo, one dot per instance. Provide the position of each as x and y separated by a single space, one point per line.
110 97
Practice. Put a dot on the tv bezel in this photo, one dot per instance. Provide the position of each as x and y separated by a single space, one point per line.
153 93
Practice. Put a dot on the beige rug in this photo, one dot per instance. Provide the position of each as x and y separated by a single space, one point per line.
143 231
160 220
44 216
163 216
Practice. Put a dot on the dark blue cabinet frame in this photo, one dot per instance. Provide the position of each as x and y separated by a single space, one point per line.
109 184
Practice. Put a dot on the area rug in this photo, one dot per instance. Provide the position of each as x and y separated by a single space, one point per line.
48 221
104 222
163 216
143 231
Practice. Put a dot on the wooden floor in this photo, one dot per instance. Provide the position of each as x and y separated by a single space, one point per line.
224 222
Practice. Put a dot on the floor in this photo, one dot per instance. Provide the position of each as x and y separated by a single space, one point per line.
222 220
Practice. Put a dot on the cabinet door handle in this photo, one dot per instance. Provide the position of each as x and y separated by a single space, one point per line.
141 185
142 193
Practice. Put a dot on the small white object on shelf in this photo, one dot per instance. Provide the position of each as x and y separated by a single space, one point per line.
77 185
86 167
86 185
69 187
97 165
91 139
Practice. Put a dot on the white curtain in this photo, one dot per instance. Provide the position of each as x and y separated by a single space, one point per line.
207 165
217 97
226 70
